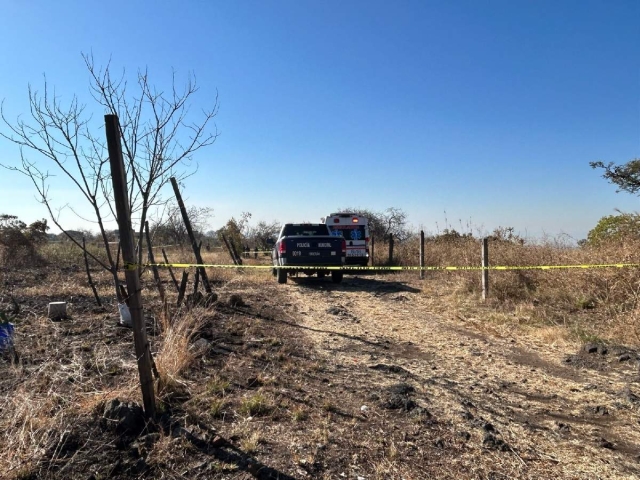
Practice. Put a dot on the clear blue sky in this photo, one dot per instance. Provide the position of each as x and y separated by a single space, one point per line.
488 110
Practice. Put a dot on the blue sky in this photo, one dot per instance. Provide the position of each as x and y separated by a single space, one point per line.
489 111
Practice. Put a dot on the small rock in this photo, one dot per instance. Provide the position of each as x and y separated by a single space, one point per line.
624 357
439 443
464 435
364 409
602 350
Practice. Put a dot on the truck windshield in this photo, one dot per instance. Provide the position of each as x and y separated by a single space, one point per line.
306 230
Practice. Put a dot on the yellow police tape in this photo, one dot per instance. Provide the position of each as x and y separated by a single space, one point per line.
134 266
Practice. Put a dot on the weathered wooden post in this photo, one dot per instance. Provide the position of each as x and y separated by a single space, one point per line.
421 254
194 245
143 354
390 249
485 270
183 287
373 257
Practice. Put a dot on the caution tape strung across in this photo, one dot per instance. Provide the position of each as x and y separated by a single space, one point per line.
134 266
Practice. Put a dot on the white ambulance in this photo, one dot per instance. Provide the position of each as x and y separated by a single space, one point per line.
355 230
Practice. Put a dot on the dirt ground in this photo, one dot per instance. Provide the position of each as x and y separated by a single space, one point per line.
368 379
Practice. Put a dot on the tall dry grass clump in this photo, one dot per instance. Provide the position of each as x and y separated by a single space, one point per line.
176 353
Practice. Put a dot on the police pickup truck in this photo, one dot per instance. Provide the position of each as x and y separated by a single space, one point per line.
308 245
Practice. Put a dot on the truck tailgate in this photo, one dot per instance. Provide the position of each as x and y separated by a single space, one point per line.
313 250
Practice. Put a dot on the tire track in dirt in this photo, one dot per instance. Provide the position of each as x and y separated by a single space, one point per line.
550 414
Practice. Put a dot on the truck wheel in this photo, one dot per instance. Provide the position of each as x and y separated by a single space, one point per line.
321 274
336 277
282 275
274 272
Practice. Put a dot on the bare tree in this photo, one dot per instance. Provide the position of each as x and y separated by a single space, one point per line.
260 234
171 228
158 140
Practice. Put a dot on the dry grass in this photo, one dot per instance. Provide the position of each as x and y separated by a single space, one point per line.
175 354
582 304
255 405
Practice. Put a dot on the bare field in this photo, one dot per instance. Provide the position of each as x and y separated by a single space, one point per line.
382 376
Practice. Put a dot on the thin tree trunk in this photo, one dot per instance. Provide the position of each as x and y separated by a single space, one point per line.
154 268
173 277
86 264
114 272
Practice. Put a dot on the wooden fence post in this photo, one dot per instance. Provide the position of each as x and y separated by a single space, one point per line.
194 245
485 271
421 254
183 287
373 257
132 272
390 249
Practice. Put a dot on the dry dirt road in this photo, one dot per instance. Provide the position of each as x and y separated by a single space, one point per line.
506 406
